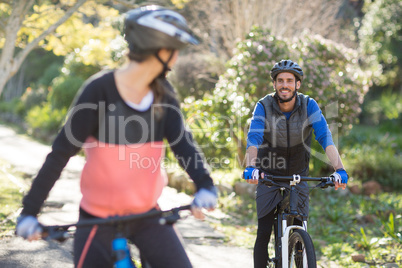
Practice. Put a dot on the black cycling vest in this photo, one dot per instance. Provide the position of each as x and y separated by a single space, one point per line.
286 143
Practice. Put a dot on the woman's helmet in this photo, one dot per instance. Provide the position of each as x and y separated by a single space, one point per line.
150 28
287 66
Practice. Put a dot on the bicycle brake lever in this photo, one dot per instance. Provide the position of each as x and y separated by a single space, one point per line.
267 182
59 235
170 219
326 184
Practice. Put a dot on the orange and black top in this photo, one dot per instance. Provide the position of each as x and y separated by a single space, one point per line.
124 151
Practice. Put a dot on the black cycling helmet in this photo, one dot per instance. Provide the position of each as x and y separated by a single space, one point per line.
287 66
150 28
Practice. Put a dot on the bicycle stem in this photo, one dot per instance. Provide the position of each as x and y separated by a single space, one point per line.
293 200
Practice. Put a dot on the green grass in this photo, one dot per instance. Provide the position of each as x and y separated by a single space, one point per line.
341 225
10 200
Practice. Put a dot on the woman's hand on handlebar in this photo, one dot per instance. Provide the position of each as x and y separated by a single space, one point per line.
28 228
204 198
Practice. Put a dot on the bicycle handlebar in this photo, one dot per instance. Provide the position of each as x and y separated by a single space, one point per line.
270 180
60 232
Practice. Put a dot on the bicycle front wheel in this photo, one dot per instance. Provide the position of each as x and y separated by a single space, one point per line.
301 250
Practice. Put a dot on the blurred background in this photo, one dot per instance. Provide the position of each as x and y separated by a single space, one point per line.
350 51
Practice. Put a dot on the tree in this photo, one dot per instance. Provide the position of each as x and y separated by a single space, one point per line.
23 13
221 24
380 44
380 41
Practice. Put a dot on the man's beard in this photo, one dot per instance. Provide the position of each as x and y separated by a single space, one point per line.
277 93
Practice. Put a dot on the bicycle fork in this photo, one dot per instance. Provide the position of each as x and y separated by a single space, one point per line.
284 240
283 230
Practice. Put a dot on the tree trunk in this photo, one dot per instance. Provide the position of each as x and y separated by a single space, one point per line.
10 63
7 64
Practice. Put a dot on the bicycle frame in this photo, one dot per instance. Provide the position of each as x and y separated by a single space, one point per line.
282 229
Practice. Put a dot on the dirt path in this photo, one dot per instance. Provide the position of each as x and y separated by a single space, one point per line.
203 244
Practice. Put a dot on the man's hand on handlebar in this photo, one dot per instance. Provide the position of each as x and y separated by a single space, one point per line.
340 178
251 174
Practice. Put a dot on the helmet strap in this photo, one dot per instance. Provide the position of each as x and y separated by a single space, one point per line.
165 64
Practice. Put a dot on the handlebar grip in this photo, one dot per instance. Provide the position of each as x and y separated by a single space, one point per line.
328 183
59 235
173 215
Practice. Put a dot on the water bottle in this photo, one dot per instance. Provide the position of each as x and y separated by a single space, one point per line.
121 253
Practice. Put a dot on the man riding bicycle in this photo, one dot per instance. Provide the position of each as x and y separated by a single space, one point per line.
279 143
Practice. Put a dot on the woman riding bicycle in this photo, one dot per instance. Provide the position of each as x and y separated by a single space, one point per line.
120 118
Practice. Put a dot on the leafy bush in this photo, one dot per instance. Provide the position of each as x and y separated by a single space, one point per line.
79 69
50 73
196 74
44 121
383 166
386 107
45 110
12 111
380 42
32 98
374 154
9 106
64 90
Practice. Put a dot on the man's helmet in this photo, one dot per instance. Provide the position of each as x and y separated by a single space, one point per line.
287 66
150 28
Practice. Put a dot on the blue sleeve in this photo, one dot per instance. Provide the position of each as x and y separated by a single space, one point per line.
317 120
256 132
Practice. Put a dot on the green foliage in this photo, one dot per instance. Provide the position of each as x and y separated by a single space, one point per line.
75 68
332 77
46 112
195 74
362 229
380 40
44 121
391 229
388 106
13 106
39 63
340 224
374 154
32 98
380 44
383 165
91 36
363 242
51 72
64 90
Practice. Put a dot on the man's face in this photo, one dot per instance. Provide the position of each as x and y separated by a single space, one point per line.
285 85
